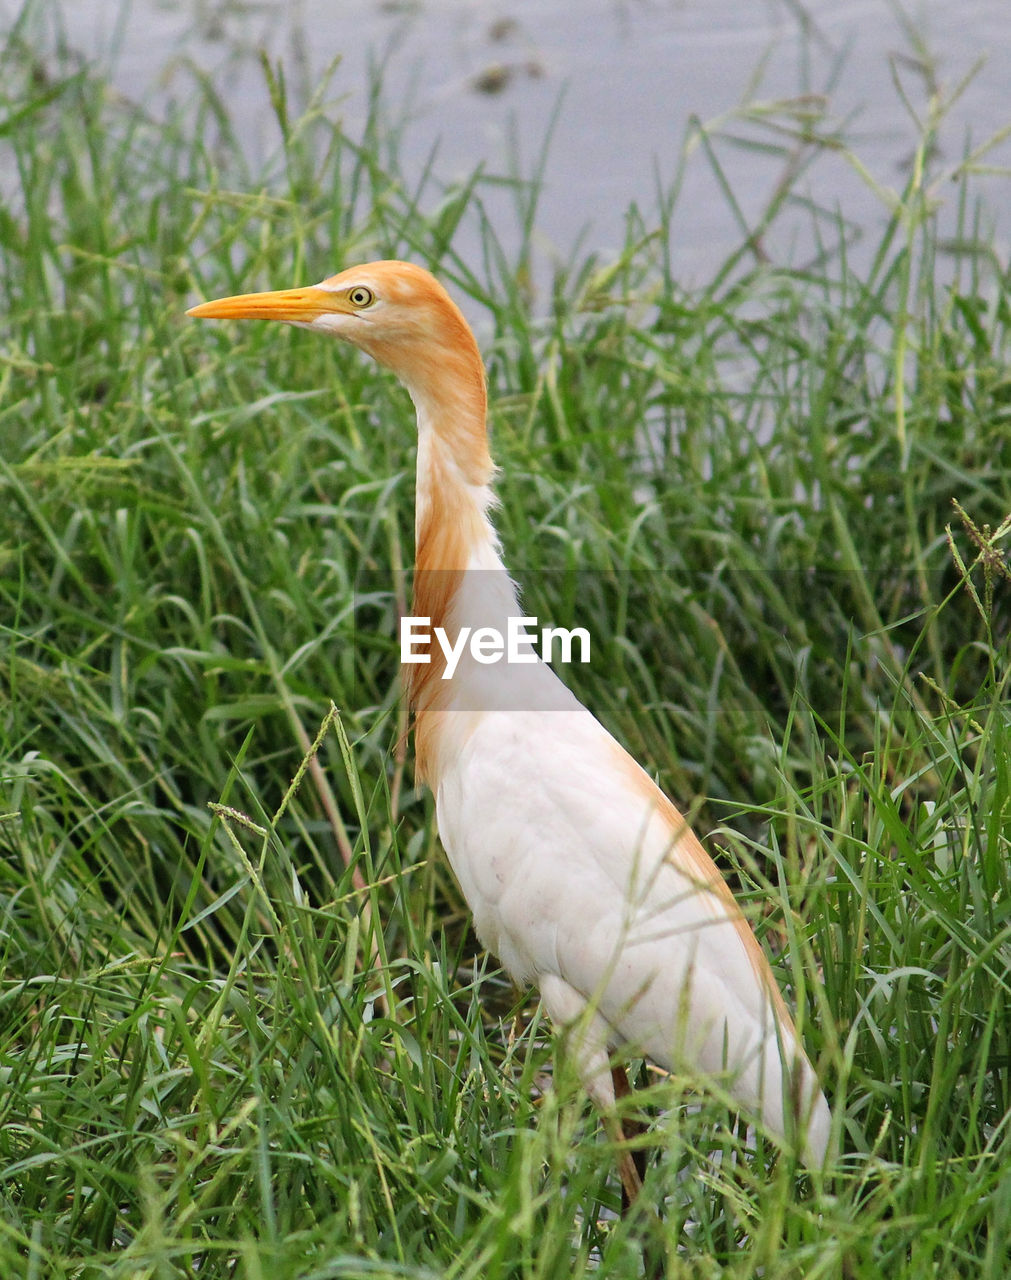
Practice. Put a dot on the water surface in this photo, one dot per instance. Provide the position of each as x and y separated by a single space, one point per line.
617 85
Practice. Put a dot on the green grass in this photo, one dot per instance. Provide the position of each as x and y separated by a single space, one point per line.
244 1028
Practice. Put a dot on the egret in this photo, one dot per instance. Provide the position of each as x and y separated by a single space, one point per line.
582 876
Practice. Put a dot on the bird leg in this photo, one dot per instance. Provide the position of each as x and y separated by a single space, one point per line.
631 1163
631 1168
588 1042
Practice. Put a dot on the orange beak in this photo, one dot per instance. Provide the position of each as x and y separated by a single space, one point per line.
295 306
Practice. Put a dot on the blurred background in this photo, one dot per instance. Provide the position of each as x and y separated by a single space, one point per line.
621 95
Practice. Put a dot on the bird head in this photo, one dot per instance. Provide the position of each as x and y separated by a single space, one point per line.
395 312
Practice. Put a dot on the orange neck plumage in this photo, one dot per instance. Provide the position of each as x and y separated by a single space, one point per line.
454 472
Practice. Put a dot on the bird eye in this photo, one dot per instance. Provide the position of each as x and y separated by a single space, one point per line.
359 296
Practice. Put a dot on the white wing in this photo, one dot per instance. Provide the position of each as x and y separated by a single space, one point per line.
584 879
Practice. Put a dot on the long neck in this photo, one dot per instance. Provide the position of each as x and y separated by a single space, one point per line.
454 534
